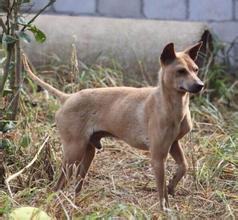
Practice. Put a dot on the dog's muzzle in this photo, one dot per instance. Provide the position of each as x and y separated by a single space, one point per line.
195 88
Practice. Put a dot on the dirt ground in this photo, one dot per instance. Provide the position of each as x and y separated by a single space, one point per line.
120 183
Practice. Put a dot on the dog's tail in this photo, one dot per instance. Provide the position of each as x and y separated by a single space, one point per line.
62 96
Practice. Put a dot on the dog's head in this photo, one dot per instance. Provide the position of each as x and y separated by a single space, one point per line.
179 70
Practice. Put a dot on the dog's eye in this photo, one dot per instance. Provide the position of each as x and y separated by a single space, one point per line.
182 71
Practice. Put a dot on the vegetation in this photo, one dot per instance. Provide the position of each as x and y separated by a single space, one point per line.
15 29
121 182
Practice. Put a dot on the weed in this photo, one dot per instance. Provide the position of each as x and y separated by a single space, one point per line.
120 183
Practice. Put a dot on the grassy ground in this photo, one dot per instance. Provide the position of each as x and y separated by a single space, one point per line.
121 182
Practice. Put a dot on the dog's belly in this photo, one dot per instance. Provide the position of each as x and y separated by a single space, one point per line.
139 142
136 135
141 145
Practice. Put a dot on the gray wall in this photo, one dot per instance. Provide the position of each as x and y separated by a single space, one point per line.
221 15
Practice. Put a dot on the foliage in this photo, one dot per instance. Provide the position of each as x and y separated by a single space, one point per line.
121 183
15 29
28 213
122 175
121 211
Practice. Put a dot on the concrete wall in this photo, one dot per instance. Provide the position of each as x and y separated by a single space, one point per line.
133 44
221 15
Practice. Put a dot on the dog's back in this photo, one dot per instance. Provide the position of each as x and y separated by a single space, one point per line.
125 111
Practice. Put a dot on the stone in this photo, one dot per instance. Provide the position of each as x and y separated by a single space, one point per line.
98 40
236 9
210 10
36 5
226 31
165 9
75 6
120 8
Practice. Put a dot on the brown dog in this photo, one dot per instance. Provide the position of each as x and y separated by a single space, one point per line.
151 119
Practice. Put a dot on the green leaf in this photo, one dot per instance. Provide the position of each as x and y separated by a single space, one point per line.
5 144
2 124
21 20
39 35
2 60
7 91
8 39
8 126
11 66
32 85
27 213
24 36
25 140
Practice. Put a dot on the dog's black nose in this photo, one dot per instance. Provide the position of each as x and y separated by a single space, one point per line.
195 88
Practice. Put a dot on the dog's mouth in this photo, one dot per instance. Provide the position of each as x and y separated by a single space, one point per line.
182 89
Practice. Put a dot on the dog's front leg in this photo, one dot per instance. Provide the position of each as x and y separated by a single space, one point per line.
176 152
159 151
159 169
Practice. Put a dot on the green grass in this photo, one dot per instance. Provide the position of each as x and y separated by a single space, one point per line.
121 183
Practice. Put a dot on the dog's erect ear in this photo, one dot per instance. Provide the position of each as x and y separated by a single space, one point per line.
193 50
168 55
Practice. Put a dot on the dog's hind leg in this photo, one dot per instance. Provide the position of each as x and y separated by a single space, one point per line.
177 153
72 157
84 165
94 142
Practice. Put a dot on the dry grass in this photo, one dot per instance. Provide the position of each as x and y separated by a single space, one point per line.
121 182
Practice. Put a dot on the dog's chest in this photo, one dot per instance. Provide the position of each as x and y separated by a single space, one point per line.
141 130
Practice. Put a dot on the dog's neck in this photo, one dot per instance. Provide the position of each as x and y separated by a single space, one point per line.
171 99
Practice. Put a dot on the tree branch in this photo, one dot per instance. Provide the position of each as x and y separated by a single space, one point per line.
4 28
6 69
37 14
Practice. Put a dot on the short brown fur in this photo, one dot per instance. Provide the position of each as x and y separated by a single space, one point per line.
152 119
